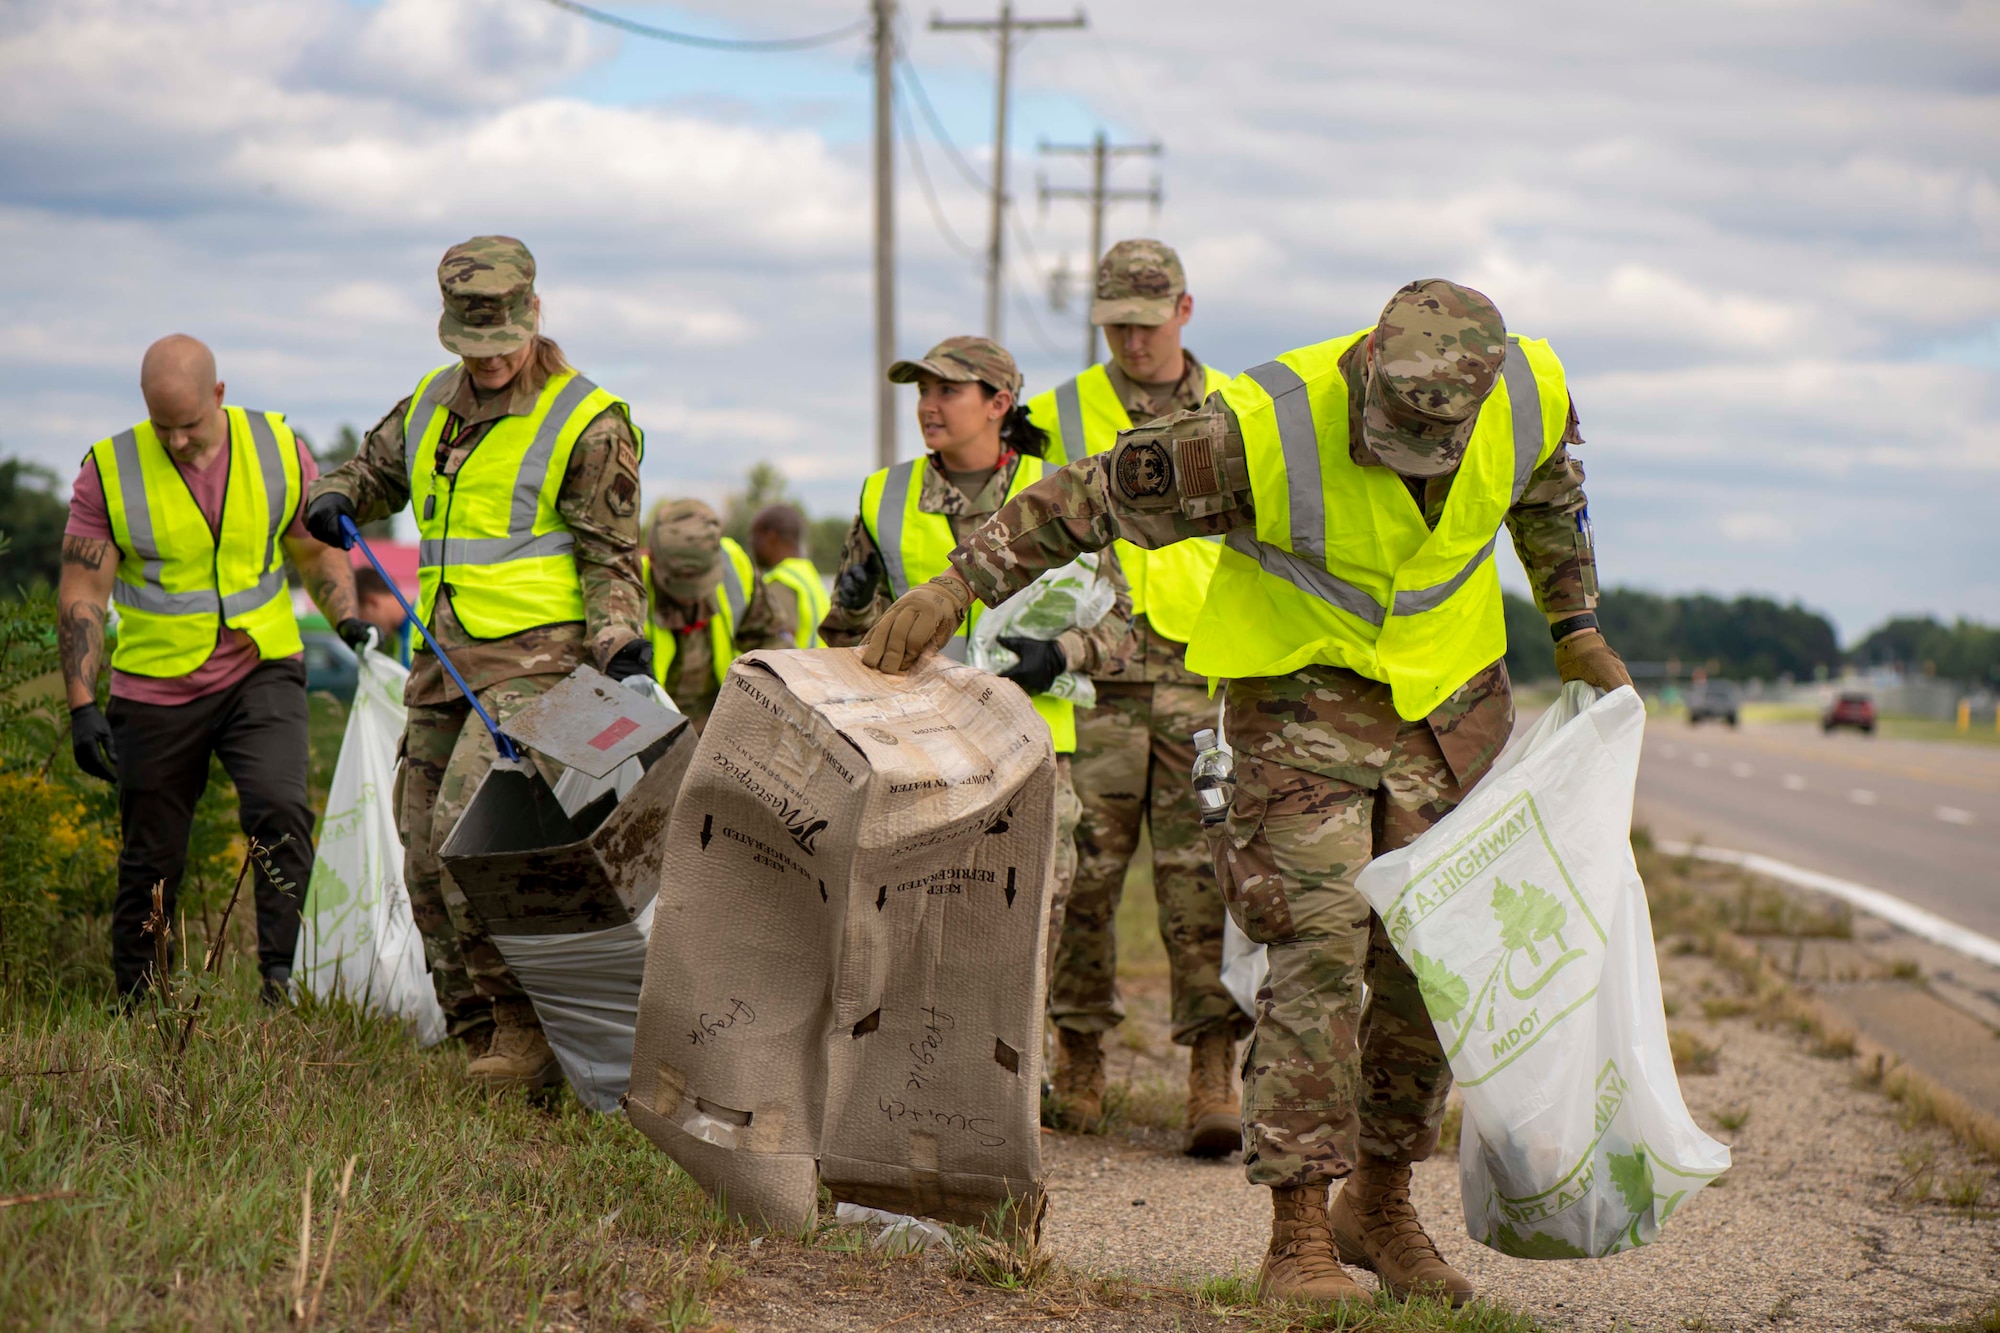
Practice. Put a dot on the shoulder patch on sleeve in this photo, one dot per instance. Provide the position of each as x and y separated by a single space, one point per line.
1145 469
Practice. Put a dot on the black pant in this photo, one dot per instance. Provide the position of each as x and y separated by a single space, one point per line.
257 727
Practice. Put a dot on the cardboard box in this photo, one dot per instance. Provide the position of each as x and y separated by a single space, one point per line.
845 977
526 865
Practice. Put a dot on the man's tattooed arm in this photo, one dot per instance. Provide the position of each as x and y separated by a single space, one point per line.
329 582
88 569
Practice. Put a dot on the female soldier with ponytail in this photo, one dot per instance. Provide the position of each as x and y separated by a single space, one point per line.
981 450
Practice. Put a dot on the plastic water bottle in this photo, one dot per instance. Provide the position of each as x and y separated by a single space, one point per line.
1214 778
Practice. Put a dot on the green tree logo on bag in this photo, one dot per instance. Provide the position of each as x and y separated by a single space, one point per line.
1503 925
1528 916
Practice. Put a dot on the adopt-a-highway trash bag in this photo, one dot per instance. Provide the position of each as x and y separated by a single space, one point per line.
357 937
1524 918
586 992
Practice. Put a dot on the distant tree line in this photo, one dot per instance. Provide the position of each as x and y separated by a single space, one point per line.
1750 637
1964 651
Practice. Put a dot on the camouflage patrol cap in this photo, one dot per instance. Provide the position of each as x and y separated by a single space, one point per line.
964 360
488 284
1138 282
1432 360
684 541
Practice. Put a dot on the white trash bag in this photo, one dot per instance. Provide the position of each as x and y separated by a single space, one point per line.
357 938
1071 597
1244 966
586 993
1524 918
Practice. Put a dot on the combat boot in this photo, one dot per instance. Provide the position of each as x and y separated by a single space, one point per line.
1375 1227
1079 1087
1214 1116
1300 1265
519 1056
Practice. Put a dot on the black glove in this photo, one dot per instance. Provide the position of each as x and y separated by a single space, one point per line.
634 659
90 739
323 514
356 632
855 588
1041 662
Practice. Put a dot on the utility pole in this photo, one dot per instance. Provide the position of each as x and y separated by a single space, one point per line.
885 231
1005 26
1097 196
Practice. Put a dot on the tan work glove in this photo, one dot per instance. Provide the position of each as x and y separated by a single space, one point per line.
920 622
1588 658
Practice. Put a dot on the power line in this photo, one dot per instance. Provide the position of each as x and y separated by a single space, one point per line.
1004 28
938 131
938 219
769 46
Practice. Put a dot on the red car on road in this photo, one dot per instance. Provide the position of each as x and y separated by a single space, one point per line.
1850 710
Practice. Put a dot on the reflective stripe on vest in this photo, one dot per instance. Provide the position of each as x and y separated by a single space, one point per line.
798 574
738 578
1083 416
1341 568
915 546
236 579
1306 489
492 531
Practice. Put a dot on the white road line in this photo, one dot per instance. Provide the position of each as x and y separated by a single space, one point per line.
1951 814
1875 902
1793 782
1740 770
1701 759
1861 796
1670 751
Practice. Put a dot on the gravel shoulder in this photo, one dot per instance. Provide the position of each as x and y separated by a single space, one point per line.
1835 1215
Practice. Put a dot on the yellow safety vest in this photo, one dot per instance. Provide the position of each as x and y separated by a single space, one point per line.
1168 585
739 578
493 532
916 547
178 584
1341 569
799 575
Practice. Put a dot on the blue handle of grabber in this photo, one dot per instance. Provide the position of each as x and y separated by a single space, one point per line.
500 740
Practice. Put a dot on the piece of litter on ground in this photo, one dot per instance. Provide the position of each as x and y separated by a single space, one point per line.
900 1232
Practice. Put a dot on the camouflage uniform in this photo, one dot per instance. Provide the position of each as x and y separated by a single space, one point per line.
1096 649
1133 754
1327 777
443 758
684 542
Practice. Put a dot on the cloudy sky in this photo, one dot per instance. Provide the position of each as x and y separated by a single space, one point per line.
1764 235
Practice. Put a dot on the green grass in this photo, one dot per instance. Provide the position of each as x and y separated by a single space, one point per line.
184 1182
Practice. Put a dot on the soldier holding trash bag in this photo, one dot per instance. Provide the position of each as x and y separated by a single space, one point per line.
525 479
1359 486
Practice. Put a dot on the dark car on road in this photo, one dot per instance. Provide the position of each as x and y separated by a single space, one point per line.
1850 710
1714 700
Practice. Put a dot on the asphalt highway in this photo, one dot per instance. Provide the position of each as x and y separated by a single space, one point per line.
1917 819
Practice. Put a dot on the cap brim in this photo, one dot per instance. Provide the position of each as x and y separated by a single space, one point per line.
906 372
693 588
1148 311
1408 452
498 340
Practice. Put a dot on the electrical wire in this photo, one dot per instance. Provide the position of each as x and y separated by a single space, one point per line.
938 132
1033 262
938 219
769 46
